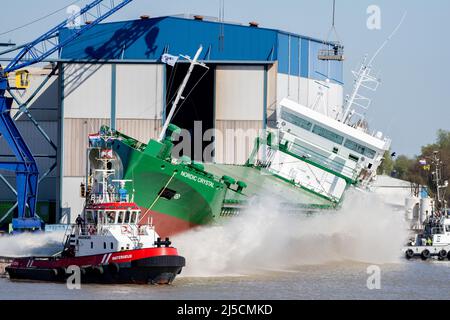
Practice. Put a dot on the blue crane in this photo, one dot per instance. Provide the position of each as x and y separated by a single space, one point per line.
25 167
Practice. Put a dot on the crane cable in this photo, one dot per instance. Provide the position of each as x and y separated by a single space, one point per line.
333 26
39 19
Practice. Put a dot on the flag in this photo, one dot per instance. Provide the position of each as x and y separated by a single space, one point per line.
94 139
423 162
169 59
106 154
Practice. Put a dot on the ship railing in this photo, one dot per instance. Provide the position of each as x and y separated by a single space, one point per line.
339 167
92 229
98 198
320 160
84 229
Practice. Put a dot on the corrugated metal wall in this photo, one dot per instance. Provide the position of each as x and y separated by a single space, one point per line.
87 91
140 91
88 105
46 100
76 133
326 98
239 111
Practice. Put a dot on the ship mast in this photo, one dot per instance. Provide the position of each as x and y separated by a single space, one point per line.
179 96
440 198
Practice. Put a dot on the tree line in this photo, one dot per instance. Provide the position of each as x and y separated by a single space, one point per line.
415 169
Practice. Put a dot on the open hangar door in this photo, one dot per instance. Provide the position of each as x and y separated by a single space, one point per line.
195 112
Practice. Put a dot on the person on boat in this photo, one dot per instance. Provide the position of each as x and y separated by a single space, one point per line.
79 221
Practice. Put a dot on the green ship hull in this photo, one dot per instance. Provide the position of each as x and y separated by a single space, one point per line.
179 195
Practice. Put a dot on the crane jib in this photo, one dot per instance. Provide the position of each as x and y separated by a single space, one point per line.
37 54
25 167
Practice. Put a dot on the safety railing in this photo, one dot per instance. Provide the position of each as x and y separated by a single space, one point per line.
98 198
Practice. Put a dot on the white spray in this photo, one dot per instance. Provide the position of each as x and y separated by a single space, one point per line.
265 238
31 244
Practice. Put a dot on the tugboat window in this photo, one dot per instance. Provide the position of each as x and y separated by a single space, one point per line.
112 245
111 217
167 193
104 245
92 245
127 217
101 217
120 218
133 217
89 217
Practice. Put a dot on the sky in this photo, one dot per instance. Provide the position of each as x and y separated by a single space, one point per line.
412 102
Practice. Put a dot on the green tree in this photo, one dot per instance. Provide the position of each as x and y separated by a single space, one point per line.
412 170
387 166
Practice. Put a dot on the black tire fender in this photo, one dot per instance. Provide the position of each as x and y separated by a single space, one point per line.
98 269
425 255
409 254
114 267
61 271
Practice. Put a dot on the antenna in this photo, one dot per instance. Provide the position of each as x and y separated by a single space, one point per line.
334 13
364 79
389 38
222 25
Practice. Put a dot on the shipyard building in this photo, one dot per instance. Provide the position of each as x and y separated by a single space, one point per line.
113 75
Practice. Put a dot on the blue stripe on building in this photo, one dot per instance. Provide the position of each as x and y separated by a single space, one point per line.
150 39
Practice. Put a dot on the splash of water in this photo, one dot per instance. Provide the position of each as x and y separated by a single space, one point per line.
31 244
264 238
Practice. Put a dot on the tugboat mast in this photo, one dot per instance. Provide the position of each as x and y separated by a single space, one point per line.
440 201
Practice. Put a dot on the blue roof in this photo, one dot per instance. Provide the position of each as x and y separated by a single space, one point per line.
150 39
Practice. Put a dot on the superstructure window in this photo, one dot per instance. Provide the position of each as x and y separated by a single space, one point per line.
353 158
296 120
365 151
327 134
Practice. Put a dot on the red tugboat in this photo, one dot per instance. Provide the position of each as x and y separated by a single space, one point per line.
109 243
